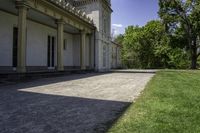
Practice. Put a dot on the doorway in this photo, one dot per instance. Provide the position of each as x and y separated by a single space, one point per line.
15 43
51 52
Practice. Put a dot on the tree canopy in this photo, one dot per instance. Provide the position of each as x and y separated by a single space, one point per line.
185 15
171 42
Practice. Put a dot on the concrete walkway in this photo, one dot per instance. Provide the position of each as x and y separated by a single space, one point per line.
82 103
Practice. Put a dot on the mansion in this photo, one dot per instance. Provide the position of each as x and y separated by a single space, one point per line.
56 35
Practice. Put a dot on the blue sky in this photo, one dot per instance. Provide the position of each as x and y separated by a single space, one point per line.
132 12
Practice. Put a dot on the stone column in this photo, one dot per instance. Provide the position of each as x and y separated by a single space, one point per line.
82 50
60 39
22 25
91 50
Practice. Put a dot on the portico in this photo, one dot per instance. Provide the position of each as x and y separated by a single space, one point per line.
69 29
55 35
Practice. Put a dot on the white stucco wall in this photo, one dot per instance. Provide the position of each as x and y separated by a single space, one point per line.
87 52
116 56
37 45
36 48
7 22
119 61
68 53
76 50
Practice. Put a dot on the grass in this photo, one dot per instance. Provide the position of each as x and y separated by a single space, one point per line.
169 104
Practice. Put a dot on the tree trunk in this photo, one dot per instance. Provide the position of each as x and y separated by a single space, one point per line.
194 55
194 62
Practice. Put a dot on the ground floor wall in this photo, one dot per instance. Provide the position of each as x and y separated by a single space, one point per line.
103 53
115 56
37 45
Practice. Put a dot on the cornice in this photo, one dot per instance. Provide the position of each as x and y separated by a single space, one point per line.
70 8
85 2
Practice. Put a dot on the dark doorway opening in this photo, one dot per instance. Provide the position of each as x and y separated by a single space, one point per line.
51 52
15 43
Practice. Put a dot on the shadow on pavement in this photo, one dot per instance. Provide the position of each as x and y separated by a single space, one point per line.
49 80
28 112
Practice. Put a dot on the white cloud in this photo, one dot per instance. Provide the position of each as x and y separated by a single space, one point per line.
117 25
115 33
116 28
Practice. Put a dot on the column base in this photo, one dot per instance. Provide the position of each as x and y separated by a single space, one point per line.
83 67
60 69
21 69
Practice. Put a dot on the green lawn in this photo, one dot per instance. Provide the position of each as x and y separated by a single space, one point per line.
169 104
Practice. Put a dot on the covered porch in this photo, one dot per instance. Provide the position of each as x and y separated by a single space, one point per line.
48 36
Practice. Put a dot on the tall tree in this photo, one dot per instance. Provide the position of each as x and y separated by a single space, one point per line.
183 14
146 47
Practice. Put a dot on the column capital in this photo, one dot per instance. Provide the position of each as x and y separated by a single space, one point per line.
22 4
86 31
90 34
83 32
60 21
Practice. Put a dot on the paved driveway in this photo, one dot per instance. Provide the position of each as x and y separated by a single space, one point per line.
82 103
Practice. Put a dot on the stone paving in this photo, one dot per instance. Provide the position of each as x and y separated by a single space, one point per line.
81 103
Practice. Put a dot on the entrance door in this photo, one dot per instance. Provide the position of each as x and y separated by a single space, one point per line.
15 40
51 52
